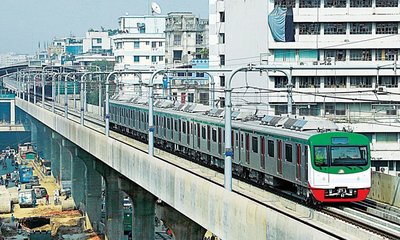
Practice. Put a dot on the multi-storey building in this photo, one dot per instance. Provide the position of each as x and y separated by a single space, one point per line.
186 46
97 42
186 38
339 34
140 42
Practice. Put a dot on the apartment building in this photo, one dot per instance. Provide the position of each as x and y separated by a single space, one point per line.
343 55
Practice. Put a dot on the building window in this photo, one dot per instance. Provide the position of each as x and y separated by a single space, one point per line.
222 16
281 82
153 44
136 58
386 54
360 55
221 102
360 28
309 82
335 55
222 60
360 3
285 3
160 44
387 28
387 3
285 55
147 42
309 110
309 28
335 82
199 39
388 81
361 82
310 3
136 44
177 55
221 38
177 39
161 58
222 81
280 110
335 28
335 3
386 137
99 40
153 59
147 57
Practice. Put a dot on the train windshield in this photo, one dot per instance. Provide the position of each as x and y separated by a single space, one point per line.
349 156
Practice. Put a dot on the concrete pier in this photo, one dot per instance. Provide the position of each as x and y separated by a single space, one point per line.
93 190
55 155
78 183
143 211
182 227
66 156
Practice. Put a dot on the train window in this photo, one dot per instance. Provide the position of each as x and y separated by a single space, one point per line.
271 148
179 126
165 122
289 152
203 132
320 156
168 123
254 144
346 156
184 127
176 125
241 141
214 135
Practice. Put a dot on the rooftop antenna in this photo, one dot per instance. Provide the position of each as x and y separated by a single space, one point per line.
155 8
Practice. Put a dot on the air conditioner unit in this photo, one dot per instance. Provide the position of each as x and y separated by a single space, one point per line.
381 90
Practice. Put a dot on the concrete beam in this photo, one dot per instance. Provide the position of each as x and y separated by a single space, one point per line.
226 214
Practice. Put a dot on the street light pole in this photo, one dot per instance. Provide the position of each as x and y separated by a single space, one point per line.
228 119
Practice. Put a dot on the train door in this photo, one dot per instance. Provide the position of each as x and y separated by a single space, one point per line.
279 162
247 148
298 162
262 155
198 135
306 164
188 133
179 130
208 138
242 147
219 141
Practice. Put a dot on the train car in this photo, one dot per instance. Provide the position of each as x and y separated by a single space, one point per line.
309 156
25 174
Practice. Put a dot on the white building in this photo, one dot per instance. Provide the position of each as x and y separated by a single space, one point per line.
140 43
97 42
326 32
9 59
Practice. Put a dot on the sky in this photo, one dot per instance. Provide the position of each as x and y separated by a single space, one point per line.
24 23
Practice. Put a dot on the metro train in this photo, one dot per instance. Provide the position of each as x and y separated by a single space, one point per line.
308 156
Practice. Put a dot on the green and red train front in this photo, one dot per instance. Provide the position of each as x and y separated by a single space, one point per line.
340 167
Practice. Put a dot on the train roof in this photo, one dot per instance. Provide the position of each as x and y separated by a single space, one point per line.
288 126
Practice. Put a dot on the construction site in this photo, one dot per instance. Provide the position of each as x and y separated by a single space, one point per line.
32 204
